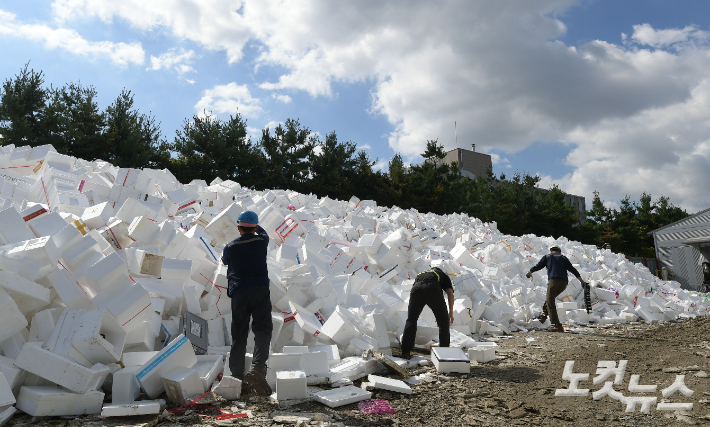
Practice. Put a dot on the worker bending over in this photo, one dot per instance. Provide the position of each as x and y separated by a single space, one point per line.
427 290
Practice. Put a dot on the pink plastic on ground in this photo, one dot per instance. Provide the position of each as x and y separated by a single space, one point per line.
375 406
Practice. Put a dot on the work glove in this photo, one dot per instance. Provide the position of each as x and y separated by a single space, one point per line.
528 274
585 285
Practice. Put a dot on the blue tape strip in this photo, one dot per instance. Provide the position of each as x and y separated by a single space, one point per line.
167 340
161 358
208 248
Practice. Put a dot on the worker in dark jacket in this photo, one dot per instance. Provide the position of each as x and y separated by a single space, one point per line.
557 267
248 279
428 289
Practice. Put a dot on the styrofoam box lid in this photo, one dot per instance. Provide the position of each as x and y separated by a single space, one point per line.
342 396
449 354
286 375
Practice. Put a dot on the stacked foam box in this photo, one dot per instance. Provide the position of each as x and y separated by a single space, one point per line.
99 263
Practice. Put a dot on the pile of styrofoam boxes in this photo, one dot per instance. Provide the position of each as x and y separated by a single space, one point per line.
98 264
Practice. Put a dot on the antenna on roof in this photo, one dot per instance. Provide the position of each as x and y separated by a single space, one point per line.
456 137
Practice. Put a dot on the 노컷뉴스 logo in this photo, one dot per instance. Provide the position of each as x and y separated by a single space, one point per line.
607 368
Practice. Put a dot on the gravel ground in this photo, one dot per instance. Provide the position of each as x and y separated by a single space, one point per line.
518 388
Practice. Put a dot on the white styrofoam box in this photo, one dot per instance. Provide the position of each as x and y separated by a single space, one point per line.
306 319
145 407
28 295
125 387
315 363
330 350
130 307
72 294
11 317
223 227
137 358
209 367
13 345
482 354
389 384
215 330
178 353
450 359
176 269
341 396
13 228
140 339
12 373
229 388
182 385
107 273
282 362
99 337
98 215
339 329
6 415
6 396
59 342
291 385
59 370
53 401
143 229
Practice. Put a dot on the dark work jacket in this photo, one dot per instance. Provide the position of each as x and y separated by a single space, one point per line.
557 266
434 275
245 258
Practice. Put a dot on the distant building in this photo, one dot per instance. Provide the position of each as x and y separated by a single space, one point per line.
683 247
473 164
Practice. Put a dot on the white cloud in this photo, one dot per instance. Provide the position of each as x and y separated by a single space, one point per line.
180 62
634 110
645 34
120 54
229 99
281 98
365 147
216 24
382 165
500 162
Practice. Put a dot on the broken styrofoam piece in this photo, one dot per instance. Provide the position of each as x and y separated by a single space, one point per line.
178 353
6 415
59 370
229 388
7 398
144 407
99 337
342 396
208 368
482 354
53 401
125 388
389 384
290 385
182 385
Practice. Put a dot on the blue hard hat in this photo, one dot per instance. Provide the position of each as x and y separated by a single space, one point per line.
248 219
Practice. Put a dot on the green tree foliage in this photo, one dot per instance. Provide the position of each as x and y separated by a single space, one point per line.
208 147
132 139
287 152
291 157
333 167
74 123
22 107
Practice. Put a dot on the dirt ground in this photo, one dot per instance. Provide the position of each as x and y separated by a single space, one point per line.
518 388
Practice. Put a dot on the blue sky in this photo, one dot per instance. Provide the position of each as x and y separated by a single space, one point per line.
591 95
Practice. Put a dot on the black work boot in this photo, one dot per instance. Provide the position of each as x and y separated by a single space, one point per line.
256 378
